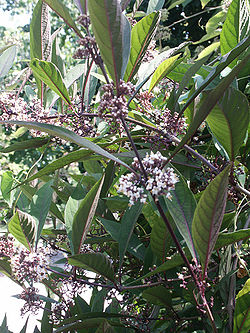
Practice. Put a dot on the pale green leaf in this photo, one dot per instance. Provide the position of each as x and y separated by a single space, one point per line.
6 60
242 308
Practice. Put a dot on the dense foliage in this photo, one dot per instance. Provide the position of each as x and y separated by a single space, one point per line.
128 158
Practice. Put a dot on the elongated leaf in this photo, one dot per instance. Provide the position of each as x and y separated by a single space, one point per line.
23 228
7 181
134 247
61 10
85 324
71 208
141 35
50 75
84 215
82 6
127 226
163 70
209 103
28 144
112 32
229 121
208 217
40 33
155 5
242 309
182 206
158 295
160 239
6 60
227 238
67 135
94 262
213 22
224 62
208 50
40 206
235 27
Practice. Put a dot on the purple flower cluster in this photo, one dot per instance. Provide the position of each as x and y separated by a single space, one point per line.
159 180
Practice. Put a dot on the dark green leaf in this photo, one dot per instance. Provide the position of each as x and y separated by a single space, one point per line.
51 76
208 217
94 262
182 207
141 36
160 239
46 325
158 295
227 238
112 32
229 121
128 222
28 144
23 228
24 329
6 60
61 10
242 307
84 215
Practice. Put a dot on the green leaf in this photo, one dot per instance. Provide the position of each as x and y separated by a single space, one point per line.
23 228
212 23
158 295
28 144
94 262
141 35
236 26
40 206
208 217
6 60
46 325
67 135
40 33
7 181
229 121
227 238
182 206
163 70
51 76
209 103
112 33
208 50
242 307
154 5
204 3
24 329
134 247
71 208
128 222
84 215
61 10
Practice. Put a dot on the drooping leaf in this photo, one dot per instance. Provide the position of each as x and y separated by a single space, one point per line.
229 121
61 10
71 208
28 144
227 238
112 32
23 228
208 217
242 309
67 135
182 205
141 35
155 5
84 215
158 295
50 75
40 206
94 262
128 222
163 70
6 60
235 27
209 102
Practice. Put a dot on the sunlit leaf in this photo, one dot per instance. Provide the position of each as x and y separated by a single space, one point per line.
94 262
6 60
23 228
208 217
242 308
112 32
229 121
155 5
50 75
141 35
